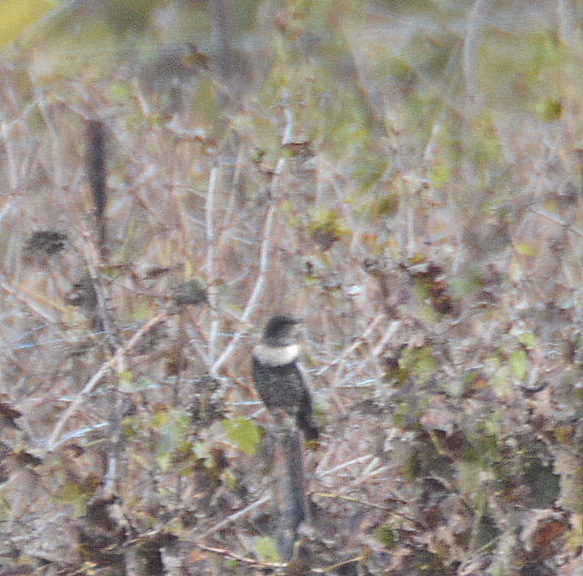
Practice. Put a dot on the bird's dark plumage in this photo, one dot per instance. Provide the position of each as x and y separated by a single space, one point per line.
278 379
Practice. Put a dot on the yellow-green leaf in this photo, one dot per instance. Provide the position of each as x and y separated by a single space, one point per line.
171 435
550 109
526 249
528 339
519 363
17 15
244 433
267 550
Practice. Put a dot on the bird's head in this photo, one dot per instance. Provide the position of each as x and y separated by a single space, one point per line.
279 330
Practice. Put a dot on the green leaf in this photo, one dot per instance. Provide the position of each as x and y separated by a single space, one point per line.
461 287
267 550
17 15
501 382
130 385
442 174
159 419
74 494
171 435
386 536
126 380
329 221
549 109
419 362
244 433
519 363
120 91
526 249
528 339
384 207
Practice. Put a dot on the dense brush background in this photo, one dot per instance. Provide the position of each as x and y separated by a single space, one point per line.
405 175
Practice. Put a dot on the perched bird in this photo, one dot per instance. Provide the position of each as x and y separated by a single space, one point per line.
278 380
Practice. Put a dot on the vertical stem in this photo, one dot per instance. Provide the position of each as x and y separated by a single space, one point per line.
210 258
96 172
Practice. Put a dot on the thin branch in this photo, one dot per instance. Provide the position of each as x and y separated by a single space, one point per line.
235 516
374 505
210 259
558 221
257 289
359 460
265 251
475 25
254 563
10 163
52 442
389 333
13 292
341 358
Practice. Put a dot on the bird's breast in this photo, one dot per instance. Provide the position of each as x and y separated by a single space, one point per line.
276 355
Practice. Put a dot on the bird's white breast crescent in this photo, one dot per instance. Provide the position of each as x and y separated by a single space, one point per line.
276 355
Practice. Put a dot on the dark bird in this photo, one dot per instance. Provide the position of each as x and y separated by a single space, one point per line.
278 379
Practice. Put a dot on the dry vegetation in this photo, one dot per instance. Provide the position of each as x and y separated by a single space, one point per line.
406 179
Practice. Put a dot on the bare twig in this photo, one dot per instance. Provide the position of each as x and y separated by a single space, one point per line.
243 559
52 442
10 163
257 289
373 505
239 514
104 317
45 111
38 311
474 27
210 259
265 251
558 221
341 358
359 460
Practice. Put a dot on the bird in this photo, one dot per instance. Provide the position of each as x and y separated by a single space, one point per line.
278 379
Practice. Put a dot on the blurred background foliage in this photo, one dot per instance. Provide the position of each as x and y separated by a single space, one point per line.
404 174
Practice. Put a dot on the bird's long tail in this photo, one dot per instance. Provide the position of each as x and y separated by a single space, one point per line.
294 510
